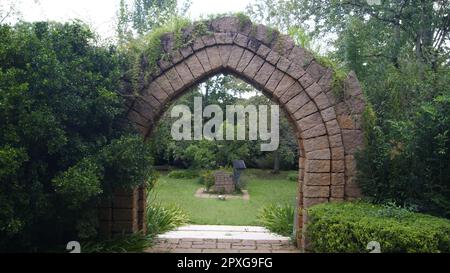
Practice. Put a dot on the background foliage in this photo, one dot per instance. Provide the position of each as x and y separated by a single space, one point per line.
399 51
224 90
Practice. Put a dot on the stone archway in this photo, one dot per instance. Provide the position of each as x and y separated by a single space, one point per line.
327 125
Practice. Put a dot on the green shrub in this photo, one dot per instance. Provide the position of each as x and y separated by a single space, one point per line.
407 162
207 179
127 163
293 176
134 243
349 227
161 219
63 139
184 174
278 218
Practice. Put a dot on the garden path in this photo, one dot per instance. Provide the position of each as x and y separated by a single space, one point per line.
222 239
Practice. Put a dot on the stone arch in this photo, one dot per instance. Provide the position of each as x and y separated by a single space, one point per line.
328 126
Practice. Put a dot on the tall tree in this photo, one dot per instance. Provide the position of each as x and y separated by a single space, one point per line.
421 25
8 9
141 16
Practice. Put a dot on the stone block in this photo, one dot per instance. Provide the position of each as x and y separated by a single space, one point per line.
264 74
309 202
300 56
317 192
253 67
184 73
353 139
338 166
319 154
274 79
313 134
306 80
195 66
235 56
318 166
337 191
335 141
204 60
285 83
310 121
306 110
337 179
328 114
226 24
316 71
317 179
214 57
333 127
317 143
296 103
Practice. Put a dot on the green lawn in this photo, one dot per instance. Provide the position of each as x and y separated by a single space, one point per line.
264 188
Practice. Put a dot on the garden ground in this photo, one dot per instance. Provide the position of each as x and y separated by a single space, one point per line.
264 189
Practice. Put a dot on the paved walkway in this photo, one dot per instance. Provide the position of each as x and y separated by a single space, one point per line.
222 239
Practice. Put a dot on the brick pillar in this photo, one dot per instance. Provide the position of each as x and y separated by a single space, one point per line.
125 211
142 220
105 218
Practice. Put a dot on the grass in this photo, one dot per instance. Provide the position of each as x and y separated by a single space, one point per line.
264 189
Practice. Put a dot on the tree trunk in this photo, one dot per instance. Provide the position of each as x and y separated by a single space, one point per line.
397 45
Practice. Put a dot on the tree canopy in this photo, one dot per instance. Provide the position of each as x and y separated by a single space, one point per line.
63 140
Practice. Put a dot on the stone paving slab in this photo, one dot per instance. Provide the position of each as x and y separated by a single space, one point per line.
201 193
223 228
222 239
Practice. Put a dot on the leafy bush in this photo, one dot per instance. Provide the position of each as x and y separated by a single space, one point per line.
134 243
127 163
207 179
63 139
184 174
278 218
79 184
407 162
161 218
349 227
293 176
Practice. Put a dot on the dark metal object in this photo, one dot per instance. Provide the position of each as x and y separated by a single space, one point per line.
238 167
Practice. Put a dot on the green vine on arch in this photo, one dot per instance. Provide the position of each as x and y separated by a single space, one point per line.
148 50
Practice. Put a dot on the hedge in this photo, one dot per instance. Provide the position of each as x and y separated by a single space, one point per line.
349 227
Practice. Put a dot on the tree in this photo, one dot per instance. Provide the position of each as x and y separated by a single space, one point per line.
399 51
142 16
63 140
8 10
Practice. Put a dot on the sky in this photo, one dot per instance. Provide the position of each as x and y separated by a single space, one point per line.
100 14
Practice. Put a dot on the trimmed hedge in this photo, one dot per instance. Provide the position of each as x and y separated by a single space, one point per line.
349 227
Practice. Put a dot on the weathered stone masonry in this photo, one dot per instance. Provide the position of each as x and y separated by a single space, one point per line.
223 182
328 128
